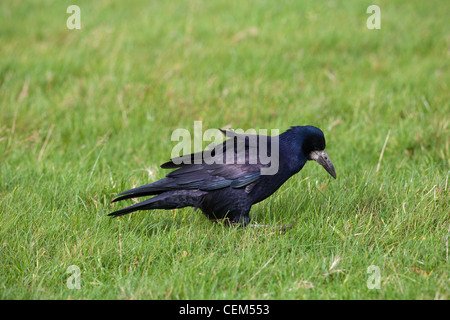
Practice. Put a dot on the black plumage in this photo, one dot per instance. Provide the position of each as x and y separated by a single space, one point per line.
229 189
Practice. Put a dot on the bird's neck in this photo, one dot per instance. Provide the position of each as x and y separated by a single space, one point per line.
291 149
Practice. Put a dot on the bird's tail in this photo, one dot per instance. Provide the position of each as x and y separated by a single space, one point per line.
152 189
166 200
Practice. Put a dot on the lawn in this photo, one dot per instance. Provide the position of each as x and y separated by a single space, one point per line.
88 113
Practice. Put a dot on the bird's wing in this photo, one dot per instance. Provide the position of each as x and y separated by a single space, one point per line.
195 171
203 177
214 176
235 164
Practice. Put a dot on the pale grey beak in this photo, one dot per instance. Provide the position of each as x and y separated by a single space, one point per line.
322 158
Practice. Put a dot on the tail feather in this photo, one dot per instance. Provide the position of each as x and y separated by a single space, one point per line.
166 200
136 195
136 207
152 189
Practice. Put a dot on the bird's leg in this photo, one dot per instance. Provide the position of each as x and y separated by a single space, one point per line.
279 227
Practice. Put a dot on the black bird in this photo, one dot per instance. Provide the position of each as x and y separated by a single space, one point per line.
229 189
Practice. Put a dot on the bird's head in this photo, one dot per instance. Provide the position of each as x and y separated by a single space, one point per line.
314 148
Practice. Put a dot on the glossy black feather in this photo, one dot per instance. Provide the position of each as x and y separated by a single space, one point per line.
227 189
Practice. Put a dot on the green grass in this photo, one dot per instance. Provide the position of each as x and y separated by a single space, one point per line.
85 114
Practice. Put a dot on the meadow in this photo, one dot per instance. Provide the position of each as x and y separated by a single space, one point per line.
88 113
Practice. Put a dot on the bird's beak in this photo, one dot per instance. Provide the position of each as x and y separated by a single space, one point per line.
322 158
